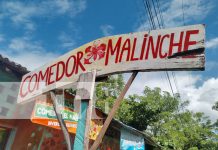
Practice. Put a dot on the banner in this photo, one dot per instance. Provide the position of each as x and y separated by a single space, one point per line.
44 114
180 48
131 141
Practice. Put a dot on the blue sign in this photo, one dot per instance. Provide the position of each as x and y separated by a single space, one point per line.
131 141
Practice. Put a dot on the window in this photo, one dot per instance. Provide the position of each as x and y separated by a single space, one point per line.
4 134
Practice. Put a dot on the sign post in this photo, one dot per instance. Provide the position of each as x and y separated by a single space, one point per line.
85 90
156 50
61 120
175 49
113 111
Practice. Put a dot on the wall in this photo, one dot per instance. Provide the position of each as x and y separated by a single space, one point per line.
33 136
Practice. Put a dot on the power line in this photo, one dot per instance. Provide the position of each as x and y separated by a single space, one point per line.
174 78
160 23
183 13
150 10
156 14
175 81
141 17
160 12
146 15
147 8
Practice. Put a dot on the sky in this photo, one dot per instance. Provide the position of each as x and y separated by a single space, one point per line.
33 33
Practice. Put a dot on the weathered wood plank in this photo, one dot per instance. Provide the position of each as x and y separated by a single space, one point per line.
141 51
61 120
85 91
113 112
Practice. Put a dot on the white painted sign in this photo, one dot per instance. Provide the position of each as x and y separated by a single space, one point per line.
179 48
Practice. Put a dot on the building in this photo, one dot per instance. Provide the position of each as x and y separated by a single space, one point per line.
18 132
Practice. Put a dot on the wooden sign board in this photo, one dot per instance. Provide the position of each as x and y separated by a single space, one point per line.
180 48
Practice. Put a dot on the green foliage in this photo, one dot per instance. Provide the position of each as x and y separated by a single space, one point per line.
215 106
148 108
108 91
185 130
164 117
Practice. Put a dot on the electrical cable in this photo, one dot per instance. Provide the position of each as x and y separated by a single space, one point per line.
156 14
183 13
148 8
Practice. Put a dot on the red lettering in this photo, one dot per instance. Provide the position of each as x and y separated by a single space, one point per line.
78 62
67 65
34 83
41 77
172 44
161 44
133 51
21 87
51 72
151 45
113 50
187 39
143 46
126 47
58 74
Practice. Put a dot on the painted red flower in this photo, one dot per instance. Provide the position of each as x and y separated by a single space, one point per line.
94 52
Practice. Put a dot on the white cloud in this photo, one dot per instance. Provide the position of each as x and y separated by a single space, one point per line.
69 6
24 45
173 14
24 50
107 29
22 13
19 13
28 53
59 7
201 97
64 5
67 41
33 60
212 43
193 10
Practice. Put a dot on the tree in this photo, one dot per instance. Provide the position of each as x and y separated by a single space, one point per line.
215 106
186 130
108 91
148 108
161 115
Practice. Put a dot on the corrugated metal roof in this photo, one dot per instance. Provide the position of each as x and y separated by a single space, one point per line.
12 65
147 137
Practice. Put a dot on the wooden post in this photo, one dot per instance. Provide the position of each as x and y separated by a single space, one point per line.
85 90
113 111
61 120
89 110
